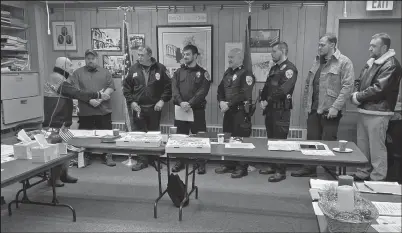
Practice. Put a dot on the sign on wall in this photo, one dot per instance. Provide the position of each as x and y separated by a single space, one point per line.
380 5
187 18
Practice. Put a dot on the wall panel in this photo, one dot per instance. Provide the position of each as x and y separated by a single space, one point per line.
229 26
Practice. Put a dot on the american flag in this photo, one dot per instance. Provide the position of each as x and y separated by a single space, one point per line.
127 62
66 135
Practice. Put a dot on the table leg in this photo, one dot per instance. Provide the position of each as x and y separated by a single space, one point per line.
44 178
343 170
186 193
54 202
3 202
161 194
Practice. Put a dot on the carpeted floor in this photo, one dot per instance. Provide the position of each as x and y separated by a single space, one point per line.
109 199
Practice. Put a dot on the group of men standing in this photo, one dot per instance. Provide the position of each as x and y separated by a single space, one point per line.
329 84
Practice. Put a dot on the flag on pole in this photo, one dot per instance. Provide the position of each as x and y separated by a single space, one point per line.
247 56
127 63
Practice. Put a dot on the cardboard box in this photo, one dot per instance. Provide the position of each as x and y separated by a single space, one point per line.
189 146
45 154
24 150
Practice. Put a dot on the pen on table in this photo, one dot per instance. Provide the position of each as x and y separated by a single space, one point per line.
365 185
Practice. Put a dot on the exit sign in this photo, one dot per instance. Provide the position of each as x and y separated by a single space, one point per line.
380 5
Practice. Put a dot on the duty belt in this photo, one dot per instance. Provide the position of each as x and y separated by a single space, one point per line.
277 105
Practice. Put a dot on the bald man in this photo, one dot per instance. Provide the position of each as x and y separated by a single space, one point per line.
234 91
146 88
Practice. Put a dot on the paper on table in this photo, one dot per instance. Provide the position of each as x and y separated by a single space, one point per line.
317 209
23 136
389 220
284 145
40 138
385 187
240 145
318 152
388 208
90 133
7 159
387 228
181 115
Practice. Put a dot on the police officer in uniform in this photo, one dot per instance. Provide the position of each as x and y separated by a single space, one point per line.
190 86
146 88
234 91
276 101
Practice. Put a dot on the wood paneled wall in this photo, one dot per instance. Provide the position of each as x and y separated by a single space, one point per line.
300 28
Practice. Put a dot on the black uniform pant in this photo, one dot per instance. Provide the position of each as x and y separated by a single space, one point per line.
198 125
231 121
95 122
149 120
277 122
321 128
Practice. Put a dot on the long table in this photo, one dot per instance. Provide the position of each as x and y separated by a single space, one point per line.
261 154
22 170
97 146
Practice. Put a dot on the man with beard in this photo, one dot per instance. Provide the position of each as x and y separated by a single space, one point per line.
376 93
276 101
146 88
328 86
190 86
234 92
58 109
97 114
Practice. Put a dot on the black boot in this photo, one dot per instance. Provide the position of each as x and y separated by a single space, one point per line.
201 168
65 178
277 177
139 166
239 173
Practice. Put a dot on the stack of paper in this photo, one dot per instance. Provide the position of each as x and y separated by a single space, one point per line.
188 145
313 152
131 139
240 145
383 187
90 133
284 145
388 208
387 228
7 150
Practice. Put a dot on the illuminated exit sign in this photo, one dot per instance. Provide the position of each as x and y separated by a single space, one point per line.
380 5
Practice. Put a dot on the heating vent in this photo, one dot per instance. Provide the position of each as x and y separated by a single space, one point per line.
294 134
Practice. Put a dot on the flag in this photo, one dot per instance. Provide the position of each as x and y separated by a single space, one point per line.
247 56
127 63
66 135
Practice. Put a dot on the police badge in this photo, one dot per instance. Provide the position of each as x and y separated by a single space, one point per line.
289 73
249 80
234 77
157 76
198 74
135 75
283 67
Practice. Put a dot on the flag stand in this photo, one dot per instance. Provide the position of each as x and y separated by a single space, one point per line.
128 114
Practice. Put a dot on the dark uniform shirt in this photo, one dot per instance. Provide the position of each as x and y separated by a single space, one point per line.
316 85
147 85
236 86
279 85
191 84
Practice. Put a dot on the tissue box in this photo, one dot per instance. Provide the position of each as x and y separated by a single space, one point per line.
23 150
45 154
62 148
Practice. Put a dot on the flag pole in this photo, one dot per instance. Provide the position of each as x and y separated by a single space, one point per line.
128 114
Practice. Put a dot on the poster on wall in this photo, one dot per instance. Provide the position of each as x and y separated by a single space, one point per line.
78 62
262 63
228 47
172 39
64 37
264 38
115 65
106 39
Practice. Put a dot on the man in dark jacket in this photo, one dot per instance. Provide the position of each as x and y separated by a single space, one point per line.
190 86
58 106
146 88
376 93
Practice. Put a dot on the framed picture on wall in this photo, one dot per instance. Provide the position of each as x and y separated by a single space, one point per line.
261 63
115 64
136 40
78 62
106 39
64 36
172 39
264 38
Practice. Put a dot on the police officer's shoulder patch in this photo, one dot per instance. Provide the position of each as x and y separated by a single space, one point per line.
289 73
249 80
207 76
